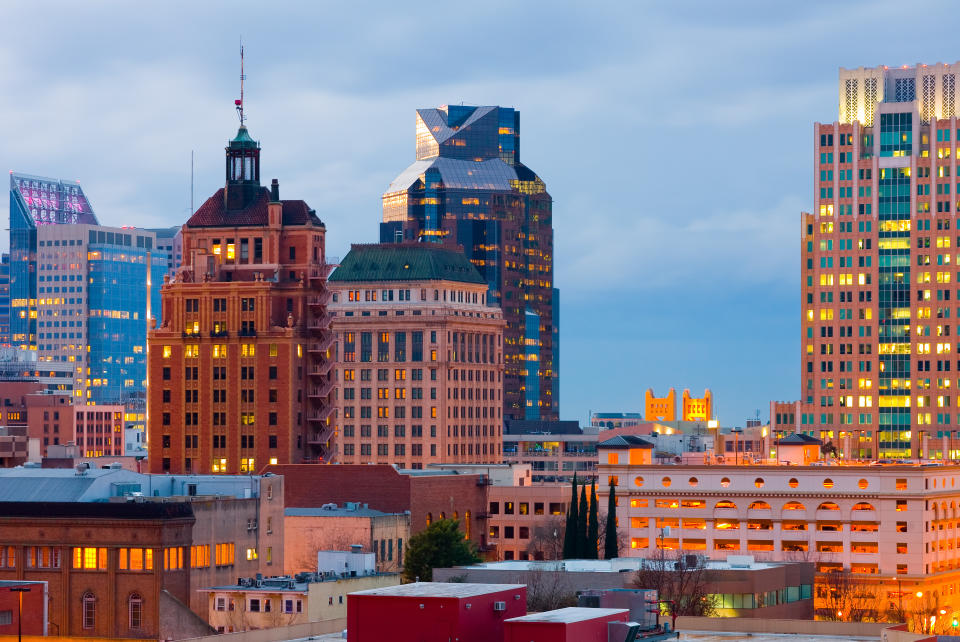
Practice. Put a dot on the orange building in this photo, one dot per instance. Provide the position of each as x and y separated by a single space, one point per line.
419 358
691 408
240 370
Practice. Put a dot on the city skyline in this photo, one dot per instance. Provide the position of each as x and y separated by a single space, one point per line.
124 126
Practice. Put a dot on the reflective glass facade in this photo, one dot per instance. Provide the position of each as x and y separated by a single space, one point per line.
5 300
467 185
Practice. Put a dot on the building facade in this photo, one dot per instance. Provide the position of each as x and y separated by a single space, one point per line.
608 420
241 368
420 358
690 408
879 310
468 184
891 527
5 300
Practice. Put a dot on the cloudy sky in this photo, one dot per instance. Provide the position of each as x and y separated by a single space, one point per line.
675 138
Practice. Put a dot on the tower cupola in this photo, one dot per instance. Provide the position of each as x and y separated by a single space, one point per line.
242 171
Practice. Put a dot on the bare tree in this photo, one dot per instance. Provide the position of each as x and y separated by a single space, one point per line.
546 590
848 598
546 540
682 585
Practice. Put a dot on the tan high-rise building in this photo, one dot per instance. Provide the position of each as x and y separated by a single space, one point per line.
419 357
240 370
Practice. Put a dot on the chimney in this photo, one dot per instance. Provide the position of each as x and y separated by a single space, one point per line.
275 191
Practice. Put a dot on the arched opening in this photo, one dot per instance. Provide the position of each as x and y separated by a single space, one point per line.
466 525
89 610
429 518
863 506
794 506
725 503
759 506
828 506
135 610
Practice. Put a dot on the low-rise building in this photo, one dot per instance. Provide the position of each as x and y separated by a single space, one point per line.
307 531
569 624
555 450
608 420
23 607
456 611
526 522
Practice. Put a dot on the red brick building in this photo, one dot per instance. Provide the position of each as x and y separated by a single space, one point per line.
240 371
32 608
110 568
428 496
419 358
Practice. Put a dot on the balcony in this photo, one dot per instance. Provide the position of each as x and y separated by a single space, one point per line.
249 332
219 333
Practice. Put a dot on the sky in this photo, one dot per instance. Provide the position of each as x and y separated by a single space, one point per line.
676 139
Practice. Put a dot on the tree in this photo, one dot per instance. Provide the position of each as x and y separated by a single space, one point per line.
847 598
593 525
441 545
547 541
547 591
582 524
683 586
570 532
610 545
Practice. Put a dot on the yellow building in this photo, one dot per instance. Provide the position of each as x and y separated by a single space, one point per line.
691 408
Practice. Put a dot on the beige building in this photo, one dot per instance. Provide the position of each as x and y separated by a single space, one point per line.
895 526
306 531
419 358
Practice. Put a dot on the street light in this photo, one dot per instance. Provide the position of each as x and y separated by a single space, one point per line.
735 432
20 590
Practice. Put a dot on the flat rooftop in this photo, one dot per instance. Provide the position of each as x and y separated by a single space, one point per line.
340 511
568 615
733 562
441 589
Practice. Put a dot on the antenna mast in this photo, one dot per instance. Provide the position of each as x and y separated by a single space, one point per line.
239 103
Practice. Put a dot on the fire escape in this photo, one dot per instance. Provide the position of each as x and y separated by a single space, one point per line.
320 372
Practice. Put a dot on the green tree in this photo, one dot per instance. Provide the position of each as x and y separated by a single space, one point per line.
441 545
570 532
593 525
582 524
610 548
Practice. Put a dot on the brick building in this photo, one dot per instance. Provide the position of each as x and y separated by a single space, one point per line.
428 495
419 357
240 370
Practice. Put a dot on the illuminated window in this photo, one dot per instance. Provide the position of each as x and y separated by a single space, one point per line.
135 559
89 558
167 351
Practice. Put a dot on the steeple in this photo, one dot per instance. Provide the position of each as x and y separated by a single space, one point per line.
243 171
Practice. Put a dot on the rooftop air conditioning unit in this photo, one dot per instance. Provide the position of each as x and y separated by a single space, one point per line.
499 606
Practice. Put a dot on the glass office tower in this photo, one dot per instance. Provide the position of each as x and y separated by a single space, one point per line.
468 187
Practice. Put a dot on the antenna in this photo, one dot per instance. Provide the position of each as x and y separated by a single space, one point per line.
239 103
191 182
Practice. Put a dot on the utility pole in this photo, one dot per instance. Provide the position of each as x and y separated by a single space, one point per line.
20 590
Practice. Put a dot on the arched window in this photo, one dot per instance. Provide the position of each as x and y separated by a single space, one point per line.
666 482
725 482
135 610
693 482
794 506
758 482
828 506
725 503
443 515
638 481
89 610
759 506
429 518
793 483
863 506
456 515
466 525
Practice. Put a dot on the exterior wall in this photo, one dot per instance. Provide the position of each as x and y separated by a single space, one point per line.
383 488
446 405
594 630
431 619
111 587
236 385
385 535
98 430
328 600
32 608
522 520
229 610
607 420
697 409
553 458
889 525
50 418
783 418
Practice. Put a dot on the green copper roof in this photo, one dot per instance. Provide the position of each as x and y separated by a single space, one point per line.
242 139
405 262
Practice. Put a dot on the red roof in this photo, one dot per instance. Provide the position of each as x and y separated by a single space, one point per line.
213 213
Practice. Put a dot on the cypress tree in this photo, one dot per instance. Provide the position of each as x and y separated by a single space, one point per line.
610 549
593 525
570 532
582 524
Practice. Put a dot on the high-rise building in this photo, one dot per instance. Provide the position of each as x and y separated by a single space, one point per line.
97 290
241 368
419 358
170 240
468 184
4 300
879 374
36 202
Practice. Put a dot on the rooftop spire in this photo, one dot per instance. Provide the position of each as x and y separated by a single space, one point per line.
239 103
